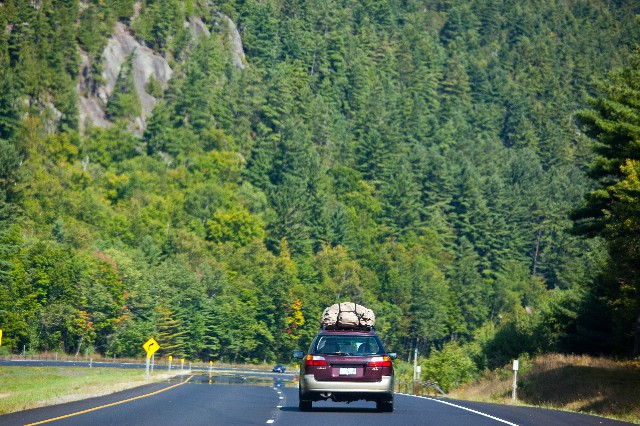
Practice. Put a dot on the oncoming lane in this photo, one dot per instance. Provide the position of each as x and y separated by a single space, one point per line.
192 402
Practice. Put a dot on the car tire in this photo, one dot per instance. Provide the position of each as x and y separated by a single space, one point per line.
385 406
305 405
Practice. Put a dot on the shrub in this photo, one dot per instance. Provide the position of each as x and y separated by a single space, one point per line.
450 367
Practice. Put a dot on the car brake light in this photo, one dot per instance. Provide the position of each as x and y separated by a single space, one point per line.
380 361
314 361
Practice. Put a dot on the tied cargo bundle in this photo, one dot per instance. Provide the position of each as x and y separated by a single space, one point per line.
347 315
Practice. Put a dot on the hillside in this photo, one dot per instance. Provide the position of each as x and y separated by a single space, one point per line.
214 174
585 384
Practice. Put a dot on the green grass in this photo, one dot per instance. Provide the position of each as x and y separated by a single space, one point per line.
584 384
22 388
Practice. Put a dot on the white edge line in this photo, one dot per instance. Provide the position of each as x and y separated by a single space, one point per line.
467 409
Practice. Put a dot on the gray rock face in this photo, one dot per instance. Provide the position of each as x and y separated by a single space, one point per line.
197 28
90 107
238 57
145 64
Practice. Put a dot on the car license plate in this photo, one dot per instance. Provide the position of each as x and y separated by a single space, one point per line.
347 371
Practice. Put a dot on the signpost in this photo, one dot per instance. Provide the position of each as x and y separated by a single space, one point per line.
150 347
515 378
0 337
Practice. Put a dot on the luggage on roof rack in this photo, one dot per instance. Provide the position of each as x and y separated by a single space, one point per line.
347 315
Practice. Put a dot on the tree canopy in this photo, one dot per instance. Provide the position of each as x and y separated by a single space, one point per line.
419 157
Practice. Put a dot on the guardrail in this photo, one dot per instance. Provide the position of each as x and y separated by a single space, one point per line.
159 362
419 388
59 356
55 356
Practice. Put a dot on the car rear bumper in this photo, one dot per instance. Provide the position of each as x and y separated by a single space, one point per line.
310 384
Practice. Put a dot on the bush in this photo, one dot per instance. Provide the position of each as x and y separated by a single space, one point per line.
450 367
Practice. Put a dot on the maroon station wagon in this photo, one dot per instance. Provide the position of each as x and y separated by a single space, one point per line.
346 365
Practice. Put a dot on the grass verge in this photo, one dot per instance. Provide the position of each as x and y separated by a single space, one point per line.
598 386
22 388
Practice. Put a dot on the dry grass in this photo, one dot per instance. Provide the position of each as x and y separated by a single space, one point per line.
584 384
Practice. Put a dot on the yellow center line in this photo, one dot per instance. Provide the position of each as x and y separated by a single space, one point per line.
100 407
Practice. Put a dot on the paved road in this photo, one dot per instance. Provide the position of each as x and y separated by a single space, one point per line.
196 402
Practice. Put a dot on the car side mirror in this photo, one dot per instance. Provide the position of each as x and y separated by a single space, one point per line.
298 354
392 355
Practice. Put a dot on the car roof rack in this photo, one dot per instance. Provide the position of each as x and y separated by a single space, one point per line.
347 328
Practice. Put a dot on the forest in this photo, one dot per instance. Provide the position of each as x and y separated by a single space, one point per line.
468 169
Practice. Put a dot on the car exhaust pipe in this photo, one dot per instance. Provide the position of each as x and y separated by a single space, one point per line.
327 395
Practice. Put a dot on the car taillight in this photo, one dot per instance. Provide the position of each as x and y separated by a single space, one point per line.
314 361
380 361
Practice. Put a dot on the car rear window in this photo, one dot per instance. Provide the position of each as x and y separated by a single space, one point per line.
348 345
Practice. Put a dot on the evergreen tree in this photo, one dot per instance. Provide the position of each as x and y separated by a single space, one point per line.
124 102
9 120
401 206
611 210
9 242
471 290
170 335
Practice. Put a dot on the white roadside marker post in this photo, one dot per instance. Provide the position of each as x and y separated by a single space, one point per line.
515 378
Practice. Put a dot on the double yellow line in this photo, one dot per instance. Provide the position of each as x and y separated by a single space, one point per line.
100 407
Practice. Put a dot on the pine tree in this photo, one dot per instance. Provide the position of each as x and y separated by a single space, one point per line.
171 334
124 102
401 206
9 120
472 292
611 210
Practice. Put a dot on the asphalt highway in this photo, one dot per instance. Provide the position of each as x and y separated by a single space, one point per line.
195 400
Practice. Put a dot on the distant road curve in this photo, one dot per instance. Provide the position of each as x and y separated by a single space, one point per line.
250 372
194 401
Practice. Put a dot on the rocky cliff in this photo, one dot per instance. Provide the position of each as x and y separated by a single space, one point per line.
146 64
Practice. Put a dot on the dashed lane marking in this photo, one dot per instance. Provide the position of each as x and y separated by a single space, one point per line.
281 400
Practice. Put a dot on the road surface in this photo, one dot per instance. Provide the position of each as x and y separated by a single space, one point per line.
193 400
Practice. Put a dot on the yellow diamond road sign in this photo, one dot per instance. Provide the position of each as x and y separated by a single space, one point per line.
151 346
